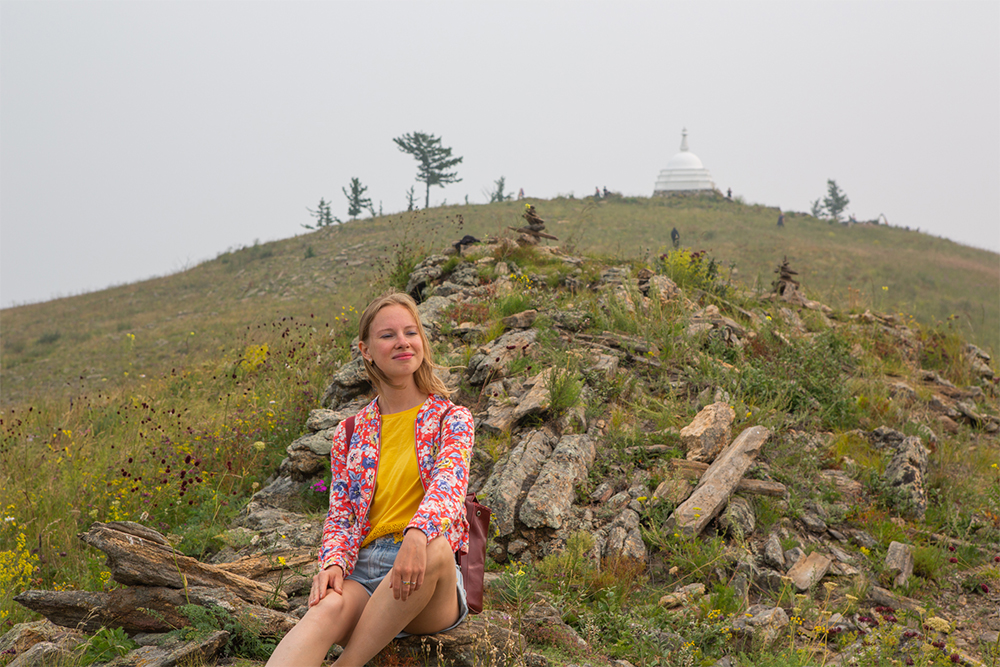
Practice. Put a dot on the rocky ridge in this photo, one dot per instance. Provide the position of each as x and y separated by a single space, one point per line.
547 478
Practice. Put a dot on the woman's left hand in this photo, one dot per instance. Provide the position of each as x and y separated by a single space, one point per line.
408 568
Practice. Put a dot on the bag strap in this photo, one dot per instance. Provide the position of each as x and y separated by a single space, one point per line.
349 428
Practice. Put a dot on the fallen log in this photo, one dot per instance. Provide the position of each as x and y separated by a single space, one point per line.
144 561
695 469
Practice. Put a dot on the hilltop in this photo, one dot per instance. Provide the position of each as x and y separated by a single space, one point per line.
77 342
853 514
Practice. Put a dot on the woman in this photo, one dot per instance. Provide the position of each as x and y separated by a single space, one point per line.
397 504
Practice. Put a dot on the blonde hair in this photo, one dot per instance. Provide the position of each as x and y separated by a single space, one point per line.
424 376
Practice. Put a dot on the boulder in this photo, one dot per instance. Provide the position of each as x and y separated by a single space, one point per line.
709 433
718 482
347 383
665 288
899 563
486 639
624 537
431 311
503 491
521 320
738 519
499 416
773 555
22 637
906 473
43 654
145 608
308 456
174 651
809 570
552 494
424 273
682 596
490 362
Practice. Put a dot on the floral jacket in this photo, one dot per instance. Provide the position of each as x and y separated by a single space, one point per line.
444 472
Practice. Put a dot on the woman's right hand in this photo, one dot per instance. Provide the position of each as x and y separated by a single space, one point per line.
331 577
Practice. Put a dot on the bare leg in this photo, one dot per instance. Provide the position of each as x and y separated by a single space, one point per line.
433 607
331 621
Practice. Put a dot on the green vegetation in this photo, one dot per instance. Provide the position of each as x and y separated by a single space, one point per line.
833 204
356 200
105 645
245 639
170 401
324 218
433 160
498 195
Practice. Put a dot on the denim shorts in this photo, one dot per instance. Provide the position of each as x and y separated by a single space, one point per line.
376 559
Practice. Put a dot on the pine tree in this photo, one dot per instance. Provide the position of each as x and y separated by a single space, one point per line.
433 159
499 195
356 200
835 201
324 218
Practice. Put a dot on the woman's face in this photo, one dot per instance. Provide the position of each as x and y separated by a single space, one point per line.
394 344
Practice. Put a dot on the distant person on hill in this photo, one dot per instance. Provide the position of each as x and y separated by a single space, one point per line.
397 504
781 219
675 237
520 193
605 192
729 193
597 192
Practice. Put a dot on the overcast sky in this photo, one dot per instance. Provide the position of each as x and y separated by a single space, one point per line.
138 138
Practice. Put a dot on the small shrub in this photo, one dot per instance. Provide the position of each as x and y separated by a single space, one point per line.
928 562
512 304
564 390
691 270
49 338
568 568
106 645
245 640
515 587
449 267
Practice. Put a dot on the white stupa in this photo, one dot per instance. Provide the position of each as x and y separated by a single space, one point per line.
684 173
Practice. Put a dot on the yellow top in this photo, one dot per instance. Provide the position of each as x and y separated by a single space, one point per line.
398 490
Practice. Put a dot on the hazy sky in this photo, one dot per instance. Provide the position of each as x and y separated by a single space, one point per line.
138 138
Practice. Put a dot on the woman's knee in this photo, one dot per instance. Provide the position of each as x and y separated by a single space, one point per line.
440 557
329 610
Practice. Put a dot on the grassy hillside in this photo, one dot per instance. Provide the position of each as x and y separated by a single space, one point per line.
71 344
182 450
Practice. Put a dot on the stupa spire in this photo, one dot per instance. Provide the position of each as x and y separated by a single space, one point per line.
684 173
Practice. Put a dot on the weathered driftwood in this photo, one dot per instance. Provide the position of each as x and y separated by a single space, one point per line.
141 561
695 469
718 483
144 608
